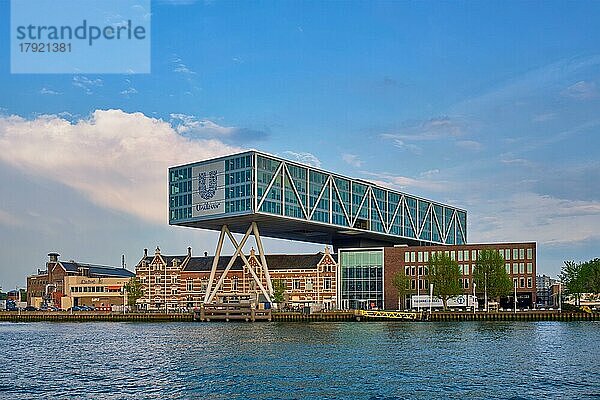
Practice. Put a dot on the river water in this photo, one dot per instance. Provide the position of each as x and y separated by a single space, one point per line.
367 360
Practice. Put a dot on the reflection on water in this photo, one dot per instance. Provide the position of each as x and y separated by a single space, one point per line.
378 360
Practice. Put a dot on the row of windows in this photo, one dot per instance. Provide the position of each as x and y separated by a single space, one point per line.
181 187
243 176
93 289
463 255
180 174
238 163
181 213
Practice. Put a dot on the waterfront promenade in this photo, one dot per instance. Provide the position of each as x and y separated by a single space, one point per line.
335 316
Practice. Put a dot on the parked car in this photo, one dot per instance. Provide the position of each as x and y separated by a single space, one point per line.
74 308
11 305
30 308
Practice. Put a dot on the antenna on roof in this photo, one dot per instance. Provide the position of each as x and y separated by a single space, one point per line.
123 261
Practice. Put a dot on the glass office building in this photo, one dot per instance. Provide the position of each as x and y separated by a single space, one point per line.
299 202
361 279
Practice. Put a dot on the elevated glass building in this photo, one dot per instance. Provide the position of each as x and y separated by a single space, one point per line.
290 200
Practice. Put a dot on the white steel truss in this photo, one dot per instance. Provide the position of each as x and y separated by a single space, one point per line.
370 207
211 291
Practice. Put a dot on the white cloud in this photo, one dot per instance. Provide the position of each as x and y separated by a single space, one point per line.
352 159
530 216
181 68
118 160
470 145
86 84
582 90
204 128
403 183
45 90
128 91
8 219
304 157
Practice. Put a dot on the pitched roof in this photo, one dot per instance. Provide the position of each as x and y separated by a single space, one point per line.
274 262
97 271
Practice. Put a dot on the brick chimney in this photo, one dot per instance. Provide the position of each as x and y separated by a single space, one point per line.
145 253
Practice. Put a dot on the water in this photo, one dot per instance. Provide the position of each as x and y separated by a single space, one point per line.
379 360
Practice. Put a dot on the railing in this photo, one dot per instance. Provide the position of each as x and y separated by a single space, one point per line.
407 316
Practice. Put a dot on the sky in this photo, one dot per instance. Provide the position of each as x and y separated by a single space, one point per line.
493 107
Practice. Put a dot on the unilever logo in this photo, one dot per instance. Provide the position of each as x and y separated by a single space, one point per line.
207 191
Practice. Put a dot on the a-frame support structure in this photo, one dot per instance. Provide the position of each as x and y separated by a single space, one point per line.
212 288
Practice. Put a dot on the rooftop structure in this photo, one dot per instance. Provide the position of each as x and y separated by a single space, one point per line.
289 200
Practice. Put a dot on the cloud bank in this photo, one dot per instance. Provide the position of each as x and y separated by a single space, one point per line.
117 160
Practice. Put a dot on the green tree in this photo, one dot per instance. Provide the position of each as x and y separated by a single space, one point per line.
572 279
401 282
490 274
134 291
590 276
278 290
444 275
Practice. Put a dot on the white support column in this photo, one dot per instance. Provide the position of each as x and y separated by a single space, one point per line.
213 270
229 265
250 269
263 259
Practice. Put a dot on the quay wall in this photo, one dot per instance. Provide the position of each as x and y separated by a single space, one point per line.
337 316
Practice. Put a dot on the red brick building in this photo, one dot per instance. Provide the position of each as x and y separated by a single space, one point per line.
366 274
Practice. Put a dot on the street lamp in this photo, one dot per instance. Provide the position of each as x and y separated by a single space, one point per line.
485 291
474 298
559 297
430 296
515 297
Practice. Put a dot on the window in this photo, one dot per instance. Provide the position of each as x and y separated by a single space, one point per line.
412 256
466 255
515 254
453 255
420 271
189 285
426 257
309 284
529 268
521 268
296 284
529 254
407 271
529 282
326 283
521 254
507 254
507 266
466 283
420 256
522 282
460 255
515 268
473 255
406 256
234 285
412 284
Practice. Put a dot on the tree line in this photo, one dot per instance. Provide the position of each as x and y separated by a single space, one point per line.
579 278
444 273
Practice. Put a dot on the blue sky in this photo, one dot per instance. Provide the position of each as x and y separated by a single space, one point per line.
489 106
